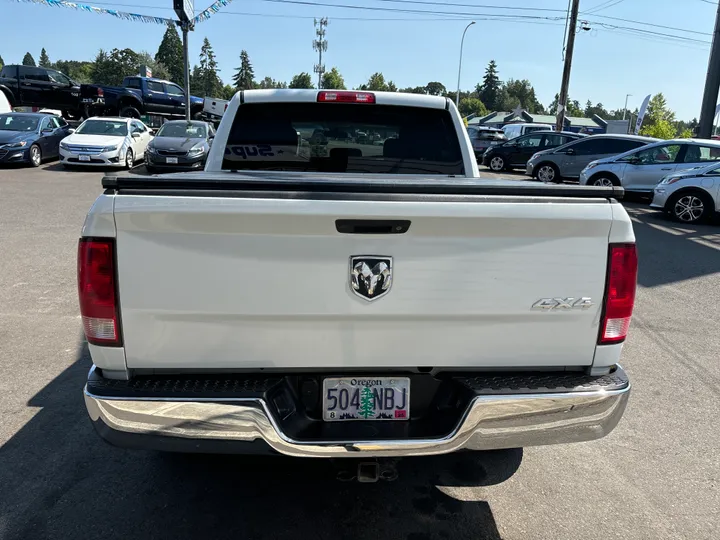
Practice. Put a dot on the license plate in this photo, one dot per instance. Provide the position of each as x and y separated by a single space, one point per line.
366 398
171 160
84 158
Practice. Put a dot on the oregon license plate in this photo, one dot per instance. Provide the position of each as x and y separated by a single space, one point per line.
172 160
84 158
366 398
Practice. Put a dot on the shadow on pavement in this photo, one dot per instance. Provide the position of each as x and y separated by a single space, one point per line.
59 480
669 251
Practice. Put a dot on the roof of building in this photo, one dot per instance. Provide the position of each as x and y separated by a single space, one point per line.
502 117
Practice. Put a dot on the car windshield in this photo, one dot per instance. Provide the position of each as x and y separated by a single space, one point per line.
112 128
339 137
15 122
191 131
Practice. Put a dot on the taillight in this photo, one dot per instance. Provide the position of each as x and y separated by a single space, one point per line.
346 97
98 292
620 293
100 92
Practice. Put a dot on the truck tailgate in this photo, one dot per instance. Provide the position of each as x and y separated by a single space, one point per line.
230 282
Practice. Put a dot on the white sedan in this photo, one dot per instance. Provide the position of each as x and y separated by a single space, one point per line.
690 196
106 142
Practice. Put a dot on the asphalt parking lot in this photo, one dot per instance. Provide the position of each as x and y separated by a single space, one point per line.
656 476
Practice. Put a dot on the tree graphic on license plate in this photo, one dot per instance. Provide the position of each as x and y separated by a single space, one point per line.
367 403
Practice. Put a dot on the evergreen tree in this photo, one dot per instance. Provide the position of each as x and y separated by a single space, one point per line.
269 82
2 62
211 84
158 68
244 79
377 83
367 403
301 80
332 79
28 60
170 54
44 59
489 91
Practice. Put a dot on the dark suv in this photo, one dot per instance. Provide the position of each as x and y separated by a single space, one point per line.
30 86
516 152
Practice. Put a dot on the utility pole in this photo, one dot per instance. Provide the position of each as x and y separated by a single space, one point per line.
562 101
626 100
320 45
186 61
712 85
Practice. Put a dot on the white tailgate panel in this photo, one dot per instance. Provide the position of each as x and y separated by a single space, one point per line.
248 283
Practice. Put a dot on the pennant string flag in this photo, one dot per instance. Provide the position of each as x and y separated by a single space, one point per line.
117 14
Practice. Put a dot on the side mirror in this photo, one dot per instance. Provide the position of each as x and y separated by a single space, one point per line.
71 131
48 130
570 151
634 160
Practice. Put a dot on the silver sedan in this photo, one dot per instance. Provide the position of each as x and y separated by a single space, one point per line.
689 196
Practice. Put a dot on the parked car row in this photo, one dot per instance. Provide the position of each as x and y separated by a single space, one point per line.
104 142
682 175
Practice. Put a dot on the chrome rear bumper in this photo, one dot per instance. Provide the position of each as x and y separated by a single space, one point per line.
491 422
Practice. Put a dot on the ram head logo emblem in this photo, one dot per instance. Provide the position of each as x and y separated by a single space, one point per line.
370 276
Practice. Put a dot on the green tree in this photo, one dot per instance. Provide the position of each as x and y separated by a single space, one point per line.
661 129
367 403
210 81
685 134
377 83
244 79
78 71
658 110
332 79
170 54
228 91
269 82
2 62
111 68
521 92
28 60
414 90
436 88
158 69
196 81
573 107
489 91
301 80
596 109
470 106
44 59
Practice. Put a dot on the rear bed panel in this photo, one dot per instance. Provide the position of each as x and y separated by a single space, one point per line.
258 283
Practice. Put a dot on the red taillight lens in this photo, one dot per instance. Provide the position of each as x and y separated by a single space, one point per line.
346 97
100 92
620 294
97 291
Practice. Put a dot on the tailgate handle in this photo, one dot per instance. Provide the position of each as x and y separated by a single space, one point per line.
372 226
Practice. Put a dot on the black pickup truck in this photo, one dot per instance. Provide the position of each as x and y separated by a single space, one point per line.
29 86
139 96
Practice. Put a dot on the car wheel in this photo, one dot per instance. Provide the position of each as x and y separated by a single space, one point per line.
603 181
690 207
129 159
130 112
35 155
497 164
548 173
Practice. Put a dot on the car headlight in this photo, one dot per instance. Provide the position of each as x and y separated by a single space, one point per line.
64 146
19 144
671 179
110 148
535 156
591 165
150 149
196 151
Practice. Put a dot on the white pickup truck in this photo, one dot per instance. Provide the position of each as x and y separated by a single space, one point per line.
340 282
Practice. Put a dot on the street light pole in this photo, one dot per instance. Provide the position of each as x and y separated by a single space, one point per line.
626 100
462 42
186 62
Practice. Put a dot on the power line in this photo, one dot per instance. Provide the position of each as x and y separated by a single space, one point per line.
604 5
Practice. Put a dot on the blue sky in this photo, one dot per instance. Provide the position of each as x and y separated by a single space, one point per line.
608 63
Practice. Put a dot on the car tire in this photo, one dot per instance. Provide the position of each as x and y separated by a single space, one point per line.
197 115
548 172
35 155
497 164
129 159
690 207
602 180
129 112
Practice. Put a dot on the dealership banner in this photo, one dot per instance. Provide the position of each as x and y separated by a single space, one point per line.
641 114
104 11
